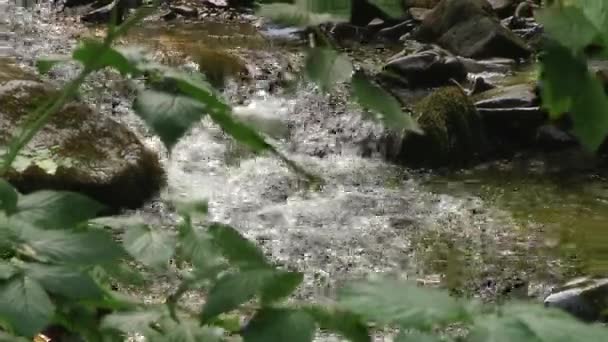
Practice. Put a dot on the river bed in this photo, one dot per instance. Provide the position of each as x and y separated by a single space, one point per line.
483 232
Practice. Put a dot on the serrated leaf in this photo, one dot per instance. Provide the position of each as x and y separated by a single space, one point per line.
569 26
237 249
7 270
88 248
95 55
326 67
169 116
218 110
232 290
292 15
65 281
417 336
402 303
8 197
345 323
46 63
55 209
25 306
131 321
385 107
597 13
270 324
6 337
150 246
124 274
188 208
280 285
188 331
196 247
492 328
552 325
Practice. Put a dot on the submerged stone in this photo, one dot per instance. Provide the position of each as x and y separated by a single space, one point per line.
77 150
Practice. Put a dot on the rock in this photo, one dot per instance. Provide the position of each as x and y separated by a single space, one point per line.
511 115
394 32
586 299
453 132
480 85
428 4
362 12
520 95
103 12
418 13
185 11
499 65
430 67
469 28
78 150
503 8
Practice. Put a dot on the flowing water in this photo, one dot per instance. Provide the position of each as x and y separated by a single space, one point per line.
479 232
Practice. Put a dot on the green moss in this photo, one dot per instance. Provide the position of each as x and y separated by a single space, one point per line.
453 131
219 65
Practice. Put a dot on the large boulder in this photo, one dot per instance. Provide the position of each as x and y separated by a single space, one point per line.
77 150
470 28
584 298
511 115
429 67
453 132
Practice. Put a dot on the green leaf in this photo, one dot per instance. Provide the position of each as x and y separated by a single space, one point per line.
569 26
7 270
292 15
280 285
46 63
88 248
8 197
326 67
402 303
169 116
124 274
416 336
280 325
218 110
236 248
64 281
5 337
597 13
553 325
500 329
55 210
385 107
150 246
345 323
232 290
196 247
95 55
132 321
189 331
569 87
25 306
189 208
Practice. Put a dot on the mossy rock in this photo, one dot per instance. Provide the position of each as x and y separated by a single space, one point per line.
77 150
453 131
218 65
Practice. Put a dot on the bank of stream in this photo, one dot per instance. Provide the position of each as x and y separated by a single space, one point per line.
485 232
